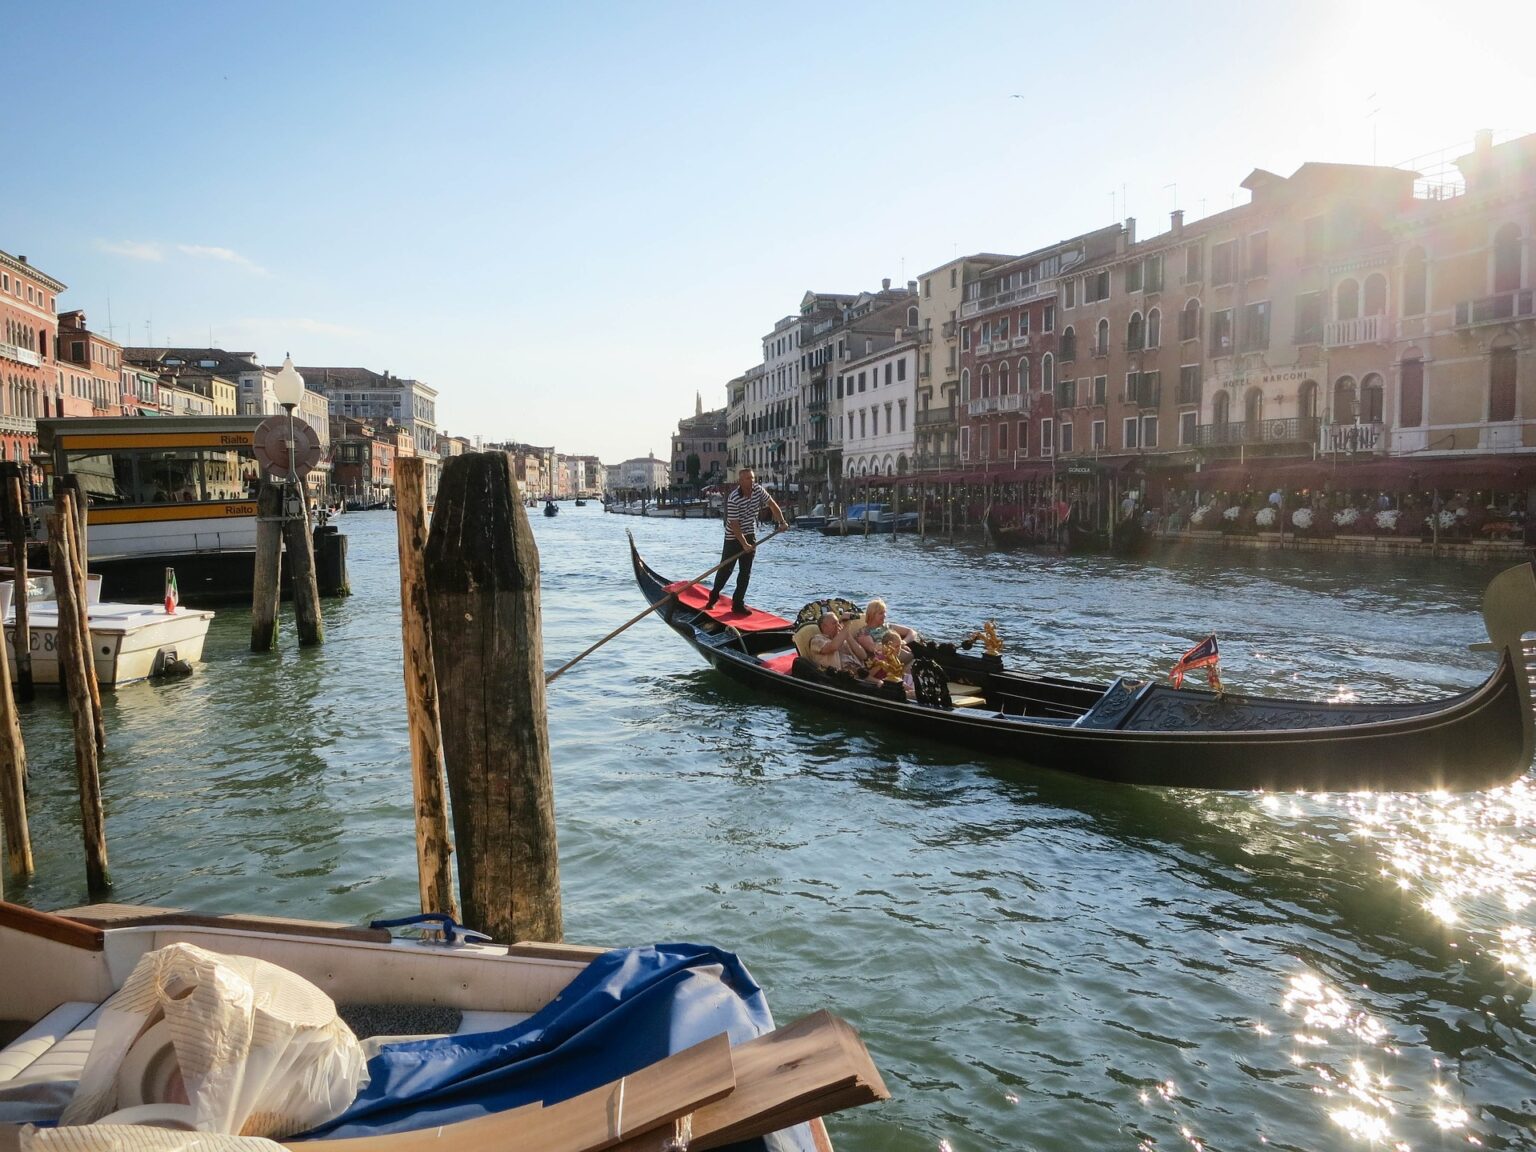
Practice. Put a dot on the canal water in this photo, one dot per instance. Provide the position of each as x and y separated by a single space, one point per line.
1036 962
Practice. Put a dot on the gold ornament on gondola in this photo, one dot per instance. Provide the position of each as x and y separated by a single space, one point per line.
991 642
886 663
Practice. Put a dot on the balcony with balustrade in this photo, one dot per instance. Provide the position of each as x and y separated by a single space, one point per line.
20 355
1294 430
935 462
1360 330
1040 290
935 418
1500 308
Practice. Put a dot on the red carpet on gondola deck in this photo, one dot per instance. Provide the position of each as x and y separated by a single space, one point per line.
752 620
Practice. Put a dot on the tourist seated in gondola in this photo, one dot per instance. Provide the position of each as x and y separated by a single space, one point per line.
833 647
877 627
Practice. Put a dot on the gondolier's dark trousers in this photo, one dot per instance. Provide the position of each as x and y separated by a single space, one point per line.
728 553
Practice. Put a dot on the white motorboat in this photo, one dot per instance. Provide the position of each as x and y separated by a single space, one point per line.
128 641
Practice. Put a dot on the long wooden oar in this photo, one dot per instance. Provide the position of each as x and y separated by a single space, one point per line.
558 672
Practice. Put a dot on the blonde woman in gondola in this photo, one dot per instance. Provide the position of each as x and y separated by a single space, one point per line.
877 627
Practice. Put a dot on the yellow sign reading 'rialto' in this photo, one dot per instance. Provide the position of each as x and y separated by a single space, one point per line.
202 510
77 441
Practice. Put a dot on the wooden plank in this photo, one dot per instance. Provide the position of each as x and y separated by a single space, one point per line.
538 950
147 916
810 1068
646 1101
49 926
434 848
482 569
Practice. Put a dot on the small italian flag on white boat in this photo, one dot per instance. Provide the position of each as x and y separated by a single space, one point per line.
172 593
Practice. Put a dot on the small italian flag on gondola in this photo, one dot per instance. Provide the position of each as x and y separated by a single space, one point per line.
1203 655
172 593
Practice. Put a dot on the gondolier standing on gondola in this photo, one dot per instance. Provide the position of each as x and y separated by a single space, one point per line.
743 508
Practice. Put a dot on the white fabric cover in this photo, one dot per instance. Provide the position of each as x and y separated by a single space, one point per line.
261 1051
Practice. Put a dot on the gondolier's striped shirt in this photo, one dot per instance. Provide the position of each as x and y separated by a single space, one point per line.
745 510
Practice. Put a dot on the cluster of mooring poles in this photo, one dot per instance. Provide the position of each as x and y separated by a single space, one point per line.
77 675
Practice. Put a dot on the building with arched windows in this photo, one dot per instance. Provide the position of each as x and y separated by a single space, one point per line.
29 378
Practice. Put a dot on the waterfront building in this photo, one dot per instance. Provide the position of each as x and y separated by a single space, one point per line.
877 408
95 375
936 397
367 395
1459 323
772 443
699 447
30 383
641 474
737 391
874 323
140 390
1009 352
824 314
363 469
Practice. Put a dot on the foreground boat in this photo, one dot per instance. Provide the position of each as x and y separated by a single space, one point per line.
475 1045
1147 732
128 641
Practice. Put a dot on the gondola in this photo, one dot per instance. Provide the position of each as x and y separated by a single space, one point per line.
1148 732
551 508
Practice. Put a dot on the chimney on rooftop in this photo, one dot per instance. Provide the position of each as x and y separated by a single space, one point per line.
912 287
21 259
1176 221
1482 141
885 285
1130 229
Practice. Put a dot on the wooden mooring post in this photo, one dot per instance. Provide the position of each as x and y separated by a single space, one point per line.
67 503
74 660
13 771
300 542
434 849
482 571
266 583
16 532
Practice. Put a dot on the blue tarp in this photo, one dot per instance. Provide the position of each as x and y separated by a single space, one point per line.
627 1009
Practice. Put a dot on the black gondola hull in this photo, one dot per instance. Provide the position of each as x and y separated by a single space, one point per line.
1478 739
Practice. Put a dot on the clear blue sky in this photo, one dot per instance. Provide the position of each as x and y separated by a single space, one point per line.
569 218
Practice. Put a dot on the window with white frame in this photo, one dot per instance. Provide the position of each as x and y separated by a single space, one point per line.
1047 437
1149 431
1099 434
1130 430
1066 436
1188 422
965 443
